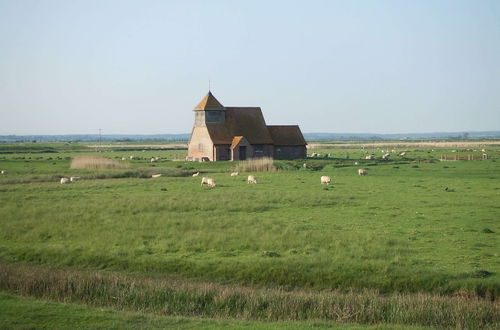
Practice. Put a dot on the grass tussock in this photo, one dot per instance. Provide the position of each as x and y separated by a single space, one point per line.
198 299
95 163
265 164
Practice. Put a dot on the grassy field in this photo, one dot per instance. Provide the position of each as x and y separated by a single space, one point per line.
413 225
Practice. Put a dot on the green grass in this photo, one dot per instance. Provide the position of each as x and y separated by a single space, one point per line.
180 297
413 225
393 230
25 313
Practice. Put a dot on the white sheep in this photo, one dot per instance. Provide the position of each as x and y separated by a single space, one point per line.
156 175
251 179
235 173
325 179
208 181
196 174
362 172
65 180
75 178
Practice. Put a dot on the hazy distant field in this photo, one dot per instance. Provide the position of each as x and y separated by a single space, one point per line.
414 225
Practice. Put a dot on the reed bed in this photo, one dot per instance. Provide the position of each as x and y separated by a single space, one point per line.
265 164
209 300
95 163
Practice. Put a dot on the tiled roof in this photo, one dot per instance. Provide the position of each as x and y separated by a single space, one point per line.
209 102
236 141
246 122
286 135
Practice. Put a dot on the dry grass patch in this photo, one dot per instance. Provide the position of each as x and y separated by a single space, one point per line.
265 164
95 163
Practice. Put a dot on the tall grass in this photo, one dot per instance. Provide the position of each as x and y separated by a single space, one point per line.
200 299
95 163
264 164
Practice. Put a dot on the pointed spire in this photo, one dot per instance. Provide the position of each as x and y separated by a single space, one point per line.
209 102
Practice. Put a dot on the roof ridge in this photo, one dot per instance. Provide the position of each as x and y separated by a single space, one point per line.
209 102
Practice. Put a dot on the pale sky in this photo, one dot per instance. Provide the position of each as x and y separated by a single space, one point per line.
140 67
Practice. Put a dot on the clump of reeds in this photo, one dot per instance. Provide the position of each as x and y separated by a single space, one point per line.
95 163
264 164
198 299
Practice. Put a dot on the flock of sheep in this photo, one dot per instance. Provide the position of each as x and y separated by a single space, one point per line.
211 181
252 180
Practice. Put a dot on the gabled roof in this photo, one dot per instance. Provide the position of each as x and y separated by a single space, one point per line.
249 122
246 122
236 141
209 102
286 135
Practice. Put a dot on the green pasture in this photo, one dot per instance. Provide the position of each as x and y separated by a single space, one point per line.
414 224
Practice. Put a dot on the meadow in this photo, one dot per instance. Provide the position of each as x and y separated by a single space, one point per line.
414 231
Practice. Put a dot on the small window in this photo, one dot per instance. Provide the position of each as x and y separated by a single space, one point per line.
200 147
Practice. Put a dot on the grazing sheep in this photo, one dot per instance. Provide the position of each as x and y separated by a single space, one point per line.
385 156
133 158
369 157
402 154
355 163
325 179
304 165
75 178
155 175
3 172
123 158
362 172
235 173
208 181
196 174
251 179
314 154
153 160
65 180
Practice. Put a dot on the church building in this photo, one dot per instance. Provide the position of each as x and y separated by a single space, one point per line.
240 133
